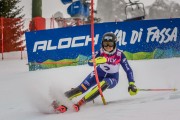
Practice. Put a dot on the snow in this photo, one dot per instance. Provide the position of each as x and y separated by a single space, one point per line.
27 95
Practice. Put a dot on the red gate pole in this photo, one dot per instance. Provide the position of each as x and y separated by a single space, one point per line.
93 52
2 37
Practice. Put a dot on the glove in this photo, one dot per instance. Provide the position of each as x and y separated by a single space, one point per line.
99 60
132 89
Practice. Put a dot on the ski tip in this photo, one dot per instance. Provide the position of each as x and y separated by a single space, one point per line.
61 109
76 107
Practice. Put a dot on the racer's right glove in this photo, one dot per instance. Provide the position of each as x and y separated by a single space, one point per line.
99 60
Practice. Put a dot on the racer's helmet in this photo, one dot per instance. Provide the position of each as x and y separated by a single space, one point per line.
109 39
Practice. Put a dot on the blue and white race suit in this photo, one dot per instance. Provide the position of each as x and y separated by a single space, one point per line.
108 71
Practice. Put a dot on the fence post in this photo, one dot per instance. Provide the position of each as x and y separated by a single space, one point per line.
2 37
21 45
21 39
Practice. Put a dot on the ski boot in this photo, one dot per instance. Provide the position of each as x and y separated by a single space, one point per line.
74 92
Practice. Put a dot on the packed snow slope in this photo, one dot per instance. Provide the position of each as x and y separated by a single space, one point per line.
27 95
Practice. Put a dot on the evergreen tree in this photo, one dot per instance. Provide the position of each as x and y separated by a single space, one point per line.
12 23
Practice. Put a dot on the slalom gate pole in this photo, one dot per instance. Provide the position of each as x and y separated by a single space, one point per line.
174 89
93 52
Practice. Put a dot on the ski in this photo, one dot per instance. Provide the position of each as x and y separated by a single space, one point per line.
58 108
76 107
61 109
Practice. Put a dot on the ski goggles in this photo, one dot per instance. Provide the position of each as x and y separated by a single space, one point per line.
108 43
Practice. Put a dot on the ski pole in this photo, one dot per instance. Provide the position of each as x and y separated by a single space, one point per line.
173 89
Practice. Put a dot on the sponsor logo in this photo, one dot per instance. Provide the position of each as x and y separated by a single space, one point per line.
87 83
108 38
64 43
111 60
83 86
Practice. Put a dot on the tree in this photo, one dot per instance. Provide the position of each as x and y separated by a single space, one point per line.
11 26
164 9
114 10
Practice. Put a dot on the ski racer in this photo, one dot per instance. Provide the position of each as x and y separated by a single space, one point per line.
108 60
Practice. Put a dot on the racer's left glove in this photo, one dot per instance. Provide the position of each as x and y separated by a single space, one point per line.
132 89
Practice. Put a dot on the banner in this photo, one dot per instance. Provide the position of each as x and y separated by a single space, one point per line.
147 39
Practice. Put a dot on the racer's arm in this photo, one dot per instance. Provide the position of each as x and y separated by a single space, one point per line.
132 89
124 63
